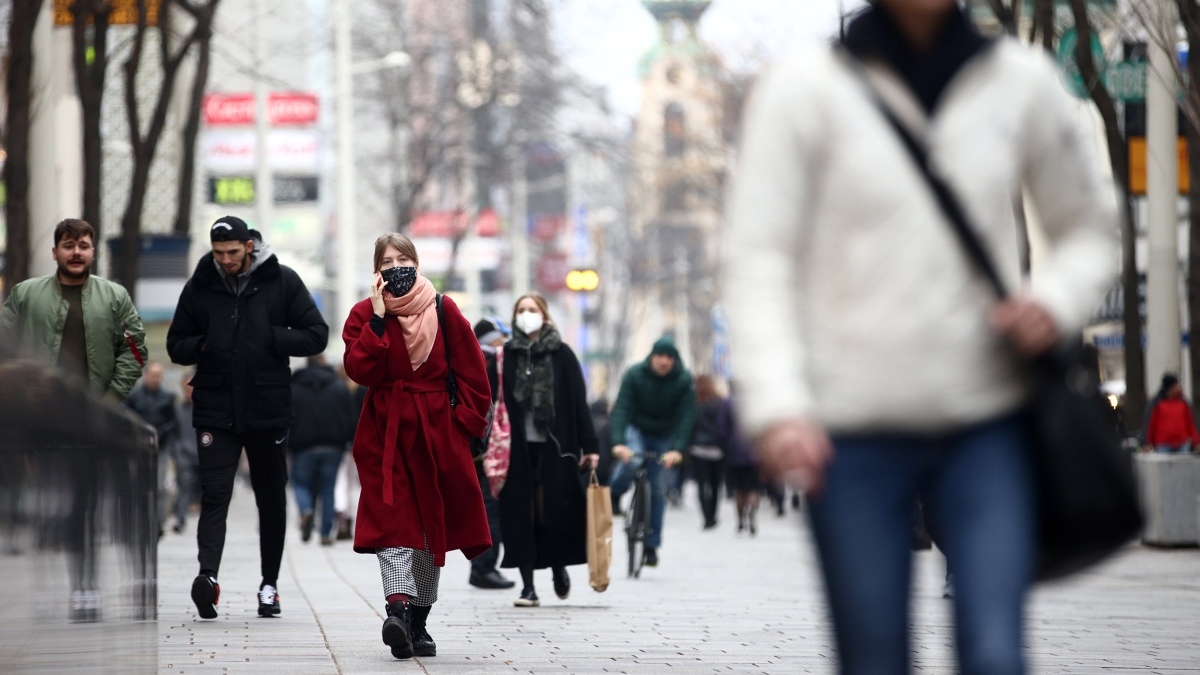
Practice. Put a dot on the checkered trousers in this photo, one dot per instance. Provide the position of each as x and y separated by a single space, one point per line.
411 572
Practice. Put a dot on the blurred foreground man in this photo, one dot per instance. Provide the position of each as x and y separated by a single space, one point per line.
156 407
88 326
874 361
240 318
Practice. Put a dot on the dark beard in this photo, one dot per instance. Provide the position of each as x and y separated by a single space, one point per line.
66 272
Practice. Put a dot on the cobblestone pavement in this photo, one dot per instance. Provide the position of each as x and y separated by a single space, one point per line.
719 602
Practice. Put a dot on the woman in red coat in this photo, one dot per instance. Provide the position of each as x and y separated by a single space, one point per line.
420 496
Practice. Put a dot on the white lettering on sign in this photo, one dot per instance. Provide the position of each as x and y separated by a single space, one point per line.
229 152
283 109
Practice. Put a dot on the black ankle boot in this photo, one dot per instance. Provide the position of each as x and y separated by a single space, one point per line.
397 630
423 645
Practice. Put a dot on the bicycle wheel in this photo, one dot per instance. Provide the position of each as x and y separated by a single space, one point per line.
635 527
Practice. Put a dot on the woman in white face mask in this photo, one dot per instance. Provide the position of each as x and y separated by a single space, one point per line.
543 508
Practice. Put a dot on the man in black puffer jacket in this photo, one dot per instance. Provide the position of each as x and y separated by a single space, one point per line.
239 319
326 419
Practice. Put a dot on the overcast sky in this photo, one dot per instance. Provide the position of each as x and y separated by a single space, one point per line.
605 39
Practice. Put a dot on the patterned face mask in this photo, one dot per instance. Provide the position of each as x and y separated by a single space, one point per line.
399 280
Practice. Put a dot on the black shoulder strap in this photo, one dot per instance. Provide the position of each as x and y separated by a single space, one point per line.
947 200
451 380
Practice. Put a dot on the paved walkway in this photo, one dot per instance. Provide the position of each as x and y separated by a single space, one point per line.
718 603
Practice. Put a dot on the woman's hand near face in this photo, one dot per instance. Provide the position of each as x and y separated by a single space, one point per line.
377 296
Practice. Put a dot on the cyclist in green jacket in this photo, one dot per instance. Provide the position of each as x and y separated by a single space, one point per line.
654 413
85 325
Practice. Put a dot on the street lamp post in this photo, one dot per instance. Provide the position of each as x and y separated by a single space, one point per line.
347 293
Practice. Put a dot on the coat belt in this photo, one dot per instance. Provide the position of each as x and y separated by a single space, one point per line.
392 436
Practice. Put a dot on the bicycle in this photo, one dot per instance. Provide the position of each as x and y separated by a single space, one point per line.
637 520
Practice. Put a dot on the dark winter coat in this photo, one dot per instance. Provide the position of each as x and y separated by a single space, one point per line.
412 450
707 431
659 406
240 344
157 408
554 532
325 412
739 451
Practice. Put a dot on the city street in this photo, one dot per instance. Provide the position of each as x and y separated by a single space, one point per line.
718 603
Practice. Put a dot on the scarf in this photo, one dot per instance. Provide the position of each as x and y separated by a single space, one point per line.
534 369
417 313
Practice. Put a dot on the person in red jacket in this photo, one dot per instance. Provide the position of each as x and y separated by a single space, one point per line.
420 496
1172 428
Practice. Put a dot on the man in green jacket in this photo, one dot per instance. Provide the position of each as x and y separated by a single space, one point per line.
654 413
85 325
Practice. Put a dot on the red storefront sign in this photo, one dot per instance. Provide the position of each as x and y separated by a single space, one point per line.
452 223
283 109
552 272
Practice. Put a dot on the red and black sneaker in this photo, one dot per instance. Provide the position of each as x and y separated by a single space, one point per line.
268 601
205 593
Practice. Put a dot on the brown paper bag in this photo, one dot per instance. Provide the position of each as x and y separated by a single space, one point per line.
599 534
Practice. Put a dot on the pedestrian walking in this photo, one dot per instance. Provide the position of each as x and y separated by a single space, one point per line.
491 334
1171 427
742 471
654 413
326 420
543 506
186 455
88 328
84 324
420 495
705 449
876 363
156 407
241 316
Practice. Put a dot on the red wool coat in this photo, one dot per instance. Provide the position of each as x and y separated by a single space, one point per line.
413 452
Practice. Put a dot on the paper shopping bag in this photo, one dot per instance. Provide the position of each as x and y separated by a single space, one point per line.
599 534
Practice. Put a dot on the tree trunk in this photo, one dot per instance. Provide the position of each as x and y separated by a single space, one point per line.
1118 155
191 130
16 166
1189 15
89 80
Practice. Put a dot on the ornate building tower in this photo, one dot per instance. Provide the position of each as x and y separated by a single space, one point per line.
680 155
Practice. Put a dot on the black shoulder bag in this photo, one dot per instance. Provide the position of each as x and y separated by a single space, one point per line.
1087 503
478 445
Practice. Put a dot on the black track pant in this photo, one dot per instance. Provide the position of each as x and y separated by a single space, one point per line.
219 453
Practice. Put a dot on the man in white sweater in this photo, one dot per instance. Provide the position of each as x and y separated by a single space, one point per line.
874 360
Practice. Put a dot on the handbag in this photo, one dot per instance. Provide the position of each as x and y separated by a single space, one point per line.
478 445
499 446
599 534
1087 502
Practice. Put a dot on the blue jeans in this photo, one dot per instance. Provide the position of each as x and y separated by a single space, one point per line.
314 472
1183 448
977 491
622 478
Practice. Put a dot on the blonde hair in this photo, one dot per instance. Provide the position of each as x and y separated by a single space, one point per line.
397 241
537 298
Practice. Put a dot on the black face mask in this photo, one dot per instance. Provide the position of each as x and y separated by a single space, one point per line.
399 280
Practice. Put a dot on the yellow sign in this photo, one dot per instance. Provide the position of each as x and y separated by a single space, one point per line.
124 12
1137 165
583 280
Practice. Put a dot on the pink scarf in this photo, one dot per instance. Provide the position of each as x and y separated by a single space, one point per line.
417 314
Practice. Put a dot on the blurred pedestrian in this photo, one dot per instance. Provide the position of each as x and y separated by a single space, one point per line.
654 413
1171 427
602 423
705 449
156 407
741 468
420 497
491 334
86 325
240 317
325 424
186 454
543 506
877 365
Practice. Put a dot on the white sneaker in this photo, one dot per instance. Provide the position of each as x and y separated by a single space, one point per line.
268 601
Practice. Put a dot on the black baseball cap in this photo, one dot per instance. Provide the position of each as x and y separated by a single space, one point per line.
230 228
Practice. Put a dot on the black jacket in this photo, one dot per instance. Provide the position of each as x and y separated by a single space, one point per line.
240 344
157 408
325 412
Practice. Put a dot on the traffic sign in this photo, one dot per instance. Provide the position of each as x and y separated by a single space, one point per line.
1070 67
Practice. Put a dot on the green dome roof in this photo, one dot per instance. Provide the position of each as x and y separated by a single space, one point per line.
686 9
